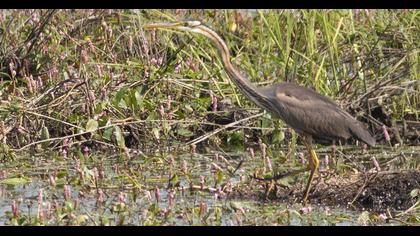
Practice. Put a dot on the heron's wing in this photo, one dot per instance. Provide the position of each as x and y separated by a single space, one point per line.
302 94
309 112
316 118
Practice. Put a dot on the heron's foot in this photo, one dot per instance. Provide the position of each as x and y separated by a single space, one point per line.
313 166
333 152
282 175
270 190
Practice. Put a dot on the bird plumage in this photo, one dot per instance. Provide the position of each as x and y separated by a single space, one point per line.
309 112
312 115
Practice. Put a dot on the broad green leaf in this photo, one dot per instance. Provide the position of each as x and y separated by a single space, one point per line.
278 136
119 136
184 132
45 135
61 174
174 180
139 100
108 133
82 219
91 125
120 94
236 205
156 132
15 181
364 218
68 207
236 138
219 177
415 193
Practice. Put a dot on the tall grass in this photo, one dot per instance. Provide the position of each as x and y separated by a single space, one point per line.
97 70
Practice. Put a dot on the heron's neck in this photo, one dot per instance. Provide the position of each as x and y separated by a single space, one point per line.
244 84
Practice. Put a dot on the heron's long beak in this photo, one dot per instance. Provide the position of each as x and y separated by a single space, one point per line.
175 25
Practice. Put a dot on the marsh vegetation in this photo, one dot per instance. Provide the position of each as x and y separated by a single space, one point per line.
103 123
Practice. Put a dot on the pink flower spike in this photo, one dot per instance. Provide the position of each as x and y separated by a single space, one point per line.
306 210
383 217
64 153
67 192
376 164
86 151
100 197
121 198
15 209
386 134
157 194
301 157
51 180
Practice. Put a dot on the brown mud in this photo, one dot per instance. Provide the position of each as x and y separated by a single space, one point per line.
377 192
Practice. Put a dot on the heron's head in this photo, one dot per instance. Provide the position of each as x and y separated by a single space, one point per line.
188 25
194 26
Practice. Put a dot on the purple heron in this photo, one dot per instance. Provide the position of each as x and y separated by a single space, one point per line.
312 115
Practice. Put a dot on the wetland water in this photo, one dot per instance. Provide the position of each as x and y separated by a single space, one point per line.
182 189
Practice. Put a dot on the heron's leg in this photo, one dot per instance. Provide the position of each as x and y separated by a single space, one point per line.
313 165
333 149
332 162
291 173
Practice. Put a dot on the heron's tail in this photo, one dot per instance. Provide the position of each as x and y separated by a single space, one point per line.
357 130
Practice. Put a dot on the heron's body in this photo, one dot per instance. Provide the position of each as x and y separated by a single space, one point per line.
311 114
